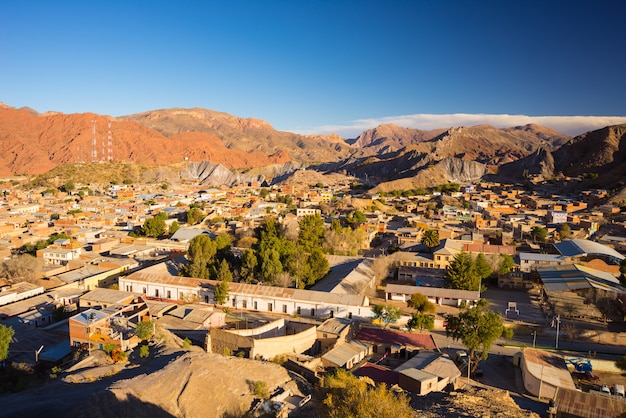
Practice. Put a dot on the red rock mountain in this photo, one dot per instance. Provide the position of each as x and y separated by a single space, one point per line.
34 143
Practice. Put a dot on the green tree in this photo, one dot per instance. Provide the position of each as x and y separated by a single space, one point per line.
539 233
318 266
564 232
224 273
6 334
249 264
430 239
221 292
482 267
421 304
386 313
153 227
357 218
311 233
194 216
200 254
68 187
271 265
346 396
174 226
461 273
477 328
144 329
506 264
421 321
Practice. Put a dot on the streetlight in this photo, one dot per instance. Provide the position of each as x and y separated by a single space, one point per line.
534 337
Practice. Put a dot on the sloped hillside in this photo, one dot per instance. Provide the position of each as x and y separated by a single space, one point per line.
244 134
34 144
601 152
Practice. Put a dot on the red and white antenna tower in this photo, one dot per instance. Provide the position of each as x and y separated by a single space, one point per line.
94 152
110 138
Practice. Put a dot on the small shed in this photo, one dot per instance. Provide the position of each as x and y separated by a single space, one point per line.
417 381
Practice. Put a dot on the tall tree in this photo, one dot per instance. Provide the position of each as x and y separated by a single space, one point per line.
421 321
482 267
221 292
386 313
430 239
477 328
200 254
539 233
153 227
194 216
6 334
506 264
311 233
421 304
224 273
564 232
248 265
461 273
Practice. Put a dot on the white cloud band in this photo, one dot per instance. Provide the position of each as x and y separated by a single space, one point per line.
570 125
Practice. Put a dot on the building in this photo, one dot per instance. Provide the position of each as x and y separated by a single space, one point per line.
544 373
346 355
276 338
114 324
428 371
437 295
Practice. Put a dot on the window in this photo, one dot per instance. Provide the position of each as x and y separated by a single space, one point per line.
169 294
244 304
206 298
144 291
349 315
156 293
284 308
299 310
269 307
312 312
256 306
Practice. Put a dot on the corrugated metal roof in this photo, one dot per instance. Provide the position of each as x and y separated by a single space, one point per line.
590 405
344 352
573 277
433 291
580 247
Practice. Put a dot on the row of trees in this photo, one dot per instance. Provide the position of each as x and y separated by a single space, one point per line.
467 273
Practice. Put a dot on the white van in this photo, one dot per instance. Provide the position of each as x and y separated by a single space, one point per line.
618 390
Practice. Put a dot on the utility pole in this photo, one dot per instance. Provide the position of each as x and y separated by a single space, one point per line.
534 337
558 322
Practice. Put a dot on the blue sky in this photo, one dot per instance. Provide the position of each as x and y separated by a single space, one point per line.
322 66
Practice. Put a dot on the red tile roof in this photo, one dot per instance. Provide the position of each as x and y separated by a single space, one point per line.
383 336
378 374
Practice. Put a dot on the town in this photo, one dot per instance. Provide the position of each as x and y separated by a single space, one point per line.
323 276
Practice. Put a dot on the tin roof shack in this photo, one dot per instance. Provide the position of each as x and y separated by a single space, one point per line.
398 345
346 355
276 338
193 321
19 291
113 324
336 331
435 364
417 381
574 403
544 373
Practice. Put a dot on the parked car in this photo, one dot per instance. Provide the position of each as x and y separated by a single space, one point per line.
605 389
585 376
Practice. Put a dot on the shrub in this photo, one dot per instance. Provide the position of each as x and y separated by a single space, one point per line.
144 351
261 390
186 344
